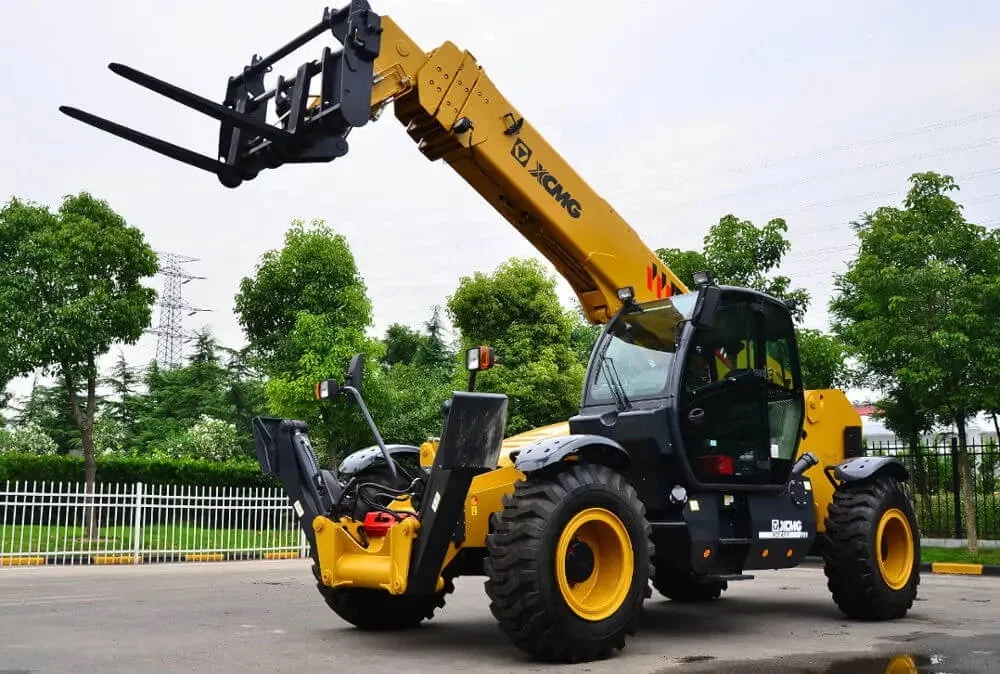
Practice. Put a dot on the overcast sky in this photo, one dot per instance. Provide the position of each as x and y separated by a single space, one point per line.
676 112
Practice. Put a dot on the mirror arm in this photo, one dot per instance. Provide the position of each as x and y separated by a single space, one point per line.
371 424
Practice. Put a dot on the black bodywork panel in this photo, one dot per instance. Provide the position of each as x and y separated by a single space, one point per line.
863 467
596 448
365 458
470 444
283 449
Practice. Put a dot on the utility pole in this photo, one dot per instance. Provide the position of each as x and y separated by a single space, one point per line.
171 336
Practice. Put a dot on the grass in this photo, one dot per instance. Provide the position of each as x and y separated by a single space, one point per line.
989 557
27 539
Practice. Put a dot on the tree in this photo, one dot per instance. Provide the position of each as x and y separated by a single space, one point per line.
517 311
902 413
401 344
304 313
918 306
427 349
71 287
739 253
123 380
823 360
684 263
49 409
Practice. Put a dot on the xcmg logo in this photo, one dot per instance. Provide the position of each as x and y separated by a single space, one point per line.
522 153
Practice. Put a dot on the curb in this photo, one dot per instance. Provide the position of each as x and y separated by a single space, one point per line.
939 568
77 559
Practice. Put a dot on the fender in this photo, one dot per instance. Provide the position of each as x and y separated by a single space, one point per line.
594 448
364 458
863 467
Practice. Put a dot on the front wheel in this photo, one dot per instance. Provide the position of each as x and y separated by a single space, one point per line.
872 550
568 563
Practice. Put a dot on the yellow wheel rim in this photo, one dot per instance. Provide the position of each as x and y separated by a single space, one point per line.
594 564
894 548
901 664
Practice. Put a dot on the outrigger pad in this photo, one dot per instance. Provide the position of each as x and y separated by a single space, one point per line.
473 432
307 126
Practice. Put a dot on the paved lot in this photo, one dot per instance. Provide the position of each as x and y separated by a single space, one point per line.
267 617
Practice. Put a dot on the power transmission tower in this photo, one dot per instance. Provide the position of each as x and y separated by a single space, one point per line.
171 336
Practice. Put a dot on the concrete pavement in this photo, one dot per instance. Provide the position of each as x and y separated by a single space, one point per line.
268 617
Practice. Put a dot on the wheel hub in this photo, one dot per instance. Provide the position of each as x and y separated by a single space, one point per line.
594 564
579 562
894 548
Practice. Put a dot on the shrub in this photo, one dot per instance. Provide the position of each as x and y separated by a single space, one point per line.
195 472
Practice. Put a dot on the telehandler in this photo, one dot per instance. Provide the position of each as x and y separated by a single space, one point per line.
696 456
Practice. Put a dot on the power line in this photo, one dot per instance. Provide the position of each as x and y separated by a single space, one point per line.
861 168
949 123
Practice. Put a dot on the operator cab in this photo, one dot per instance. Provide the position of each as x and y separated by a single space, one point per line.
708 380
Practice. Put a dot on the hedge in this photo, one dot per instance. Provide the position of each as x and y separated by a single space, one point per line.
28 467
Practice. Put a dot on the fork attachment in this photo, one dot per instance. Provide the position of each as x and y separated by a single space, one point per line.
308 126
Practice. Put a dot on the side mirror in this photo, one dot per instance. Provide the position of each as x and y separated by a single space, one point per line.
356 372
706 307
478 358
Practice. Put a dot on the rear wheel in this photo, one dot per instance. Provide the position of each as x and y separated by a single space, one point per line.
687 587
568 563
872 551
372 609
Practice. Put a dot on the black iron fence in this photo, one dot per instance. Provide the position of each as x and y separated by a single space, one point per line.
935 478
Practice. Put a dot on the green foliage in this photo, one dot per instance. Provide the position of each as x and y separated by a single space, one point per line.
71 286
919 304
583 338
517 311
401 344
739 253
313 273
407 403
27 439
177 398
305 312
27 467
72 282
823 360
429 349
684 263
49 408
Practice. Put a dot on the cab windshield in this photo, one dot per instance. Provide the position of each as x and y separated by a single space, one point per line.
637 352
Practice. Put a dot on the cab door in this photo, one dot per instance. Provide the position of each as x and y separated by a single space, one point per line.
723 402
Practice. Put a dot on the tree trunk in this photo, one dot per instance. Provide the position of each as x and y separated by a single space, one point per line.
89 460
968 491
919 464
85 423
996 427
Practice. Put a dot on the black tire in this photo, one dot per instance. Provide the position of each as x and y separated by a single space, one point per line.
686 587
377 610
522 581
854 575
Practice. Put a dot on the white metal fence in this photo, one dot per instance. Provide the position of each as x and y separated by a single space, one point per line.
52 523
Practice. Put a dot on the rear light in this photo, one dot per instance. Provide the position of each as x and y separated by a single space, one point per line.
378 522
717 464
